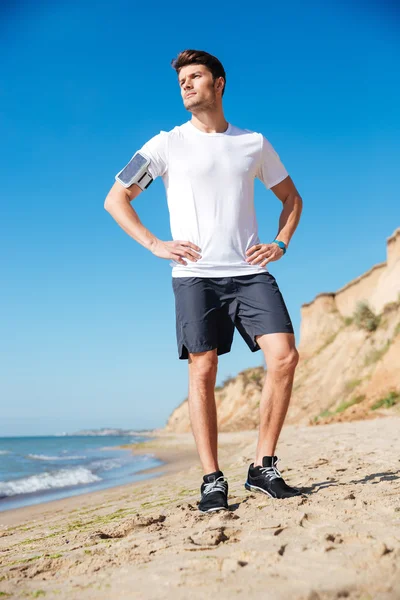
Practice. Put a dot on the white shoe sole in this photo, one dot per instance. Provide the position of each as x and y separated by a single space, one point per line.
213 509
255 488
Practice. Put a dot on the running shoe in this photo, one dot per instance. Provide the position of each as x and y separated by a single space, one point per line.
268 480
214 493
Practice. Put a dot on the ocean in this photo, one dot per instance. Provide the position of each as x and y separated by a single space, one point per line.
40 469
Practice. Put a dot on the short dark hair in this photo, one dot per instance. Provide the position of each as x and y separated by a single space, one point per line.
199 57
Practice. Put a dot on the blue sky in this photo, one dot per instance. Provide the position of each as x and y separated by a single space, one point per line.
87 335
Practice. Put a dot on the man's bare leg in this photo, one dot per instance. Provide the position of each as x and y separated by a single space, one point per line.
202 410
281 358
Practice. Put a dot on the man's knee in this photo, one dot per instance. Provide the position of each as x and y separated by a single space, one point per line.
203 364
285 361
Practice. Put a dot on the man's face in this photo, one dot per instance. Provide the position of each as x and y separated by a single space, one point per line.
197 87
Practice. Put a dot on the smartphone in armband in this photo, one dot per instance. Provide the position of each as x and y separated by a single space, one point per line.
136 171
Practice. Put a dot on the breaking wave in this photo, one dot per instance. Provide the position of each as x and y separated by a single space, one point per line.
45 457
47 481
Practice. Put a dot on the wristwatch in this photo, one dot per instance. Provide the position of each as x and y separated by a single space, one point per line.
281 245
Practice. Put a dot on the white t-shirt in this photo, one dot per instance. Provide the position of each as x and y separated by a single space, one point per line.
209 182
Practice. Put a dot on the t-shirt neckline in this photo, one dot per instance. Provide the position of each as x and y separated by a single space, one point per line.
196 130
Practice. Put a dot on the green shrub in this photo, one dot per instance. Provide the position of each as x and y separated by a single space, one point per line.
365 318
324 413
390 400
327 342
253 375
331 339
344 405
390 306
396 330
351 385
376 355
257 378
383 324
348 321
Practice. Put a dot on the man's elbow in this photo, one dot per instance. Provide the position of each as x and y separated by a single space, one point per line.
111 200
298 204
107 203
294 198
118 195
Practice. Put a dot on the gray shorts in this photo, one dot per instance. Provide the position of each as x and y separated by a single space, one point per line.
209 308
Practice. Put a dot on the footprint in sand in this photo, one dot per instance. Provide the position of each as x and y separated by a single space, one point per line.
312 520
213 537
126 527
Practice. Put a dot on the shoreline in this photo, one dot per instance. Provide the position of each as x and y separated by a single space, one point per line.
147 540
170 457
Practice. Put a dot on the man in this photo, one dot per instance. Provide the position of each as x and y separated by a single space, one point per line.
219 273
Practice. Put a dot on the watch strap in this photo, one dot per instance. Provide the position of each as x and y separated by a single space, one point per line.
281 245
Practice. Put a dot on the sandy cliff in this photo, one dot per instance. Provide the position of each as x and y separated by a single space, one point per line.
379 286
349 363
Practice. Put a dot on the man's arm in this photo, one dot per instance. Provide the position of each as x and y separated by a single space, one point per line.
289 219
292 207
118 204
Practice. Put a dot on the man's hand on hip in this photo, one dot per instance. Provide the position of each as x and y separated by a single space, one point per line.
263 253
175 250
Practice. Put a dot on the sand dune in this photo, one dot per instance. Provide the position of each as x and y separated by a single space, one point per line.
340 539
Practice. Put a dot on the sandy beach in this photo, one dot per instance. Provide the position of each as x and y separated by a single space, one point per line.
147 540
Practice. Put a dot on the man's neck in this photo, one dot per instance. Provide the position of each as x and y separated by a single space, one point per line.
210 122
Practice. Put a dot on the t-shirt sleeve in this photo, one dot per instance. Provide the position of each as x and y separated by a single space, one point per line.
156 150
270 168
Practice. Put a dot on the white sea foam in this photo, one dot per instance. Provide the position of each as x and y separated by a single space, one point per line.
5 451
106 464
47 481
45 457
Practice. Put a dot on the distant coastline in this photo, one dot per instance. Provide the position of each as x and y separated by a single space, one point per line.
108 432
